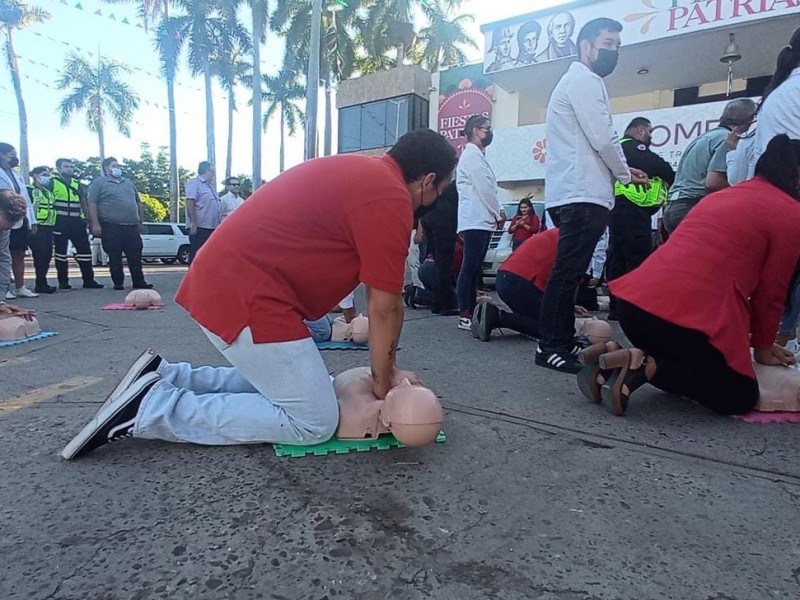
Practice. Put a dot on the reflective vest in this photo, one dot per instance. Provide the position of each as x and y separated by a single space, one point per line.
67 198
43 204
655 195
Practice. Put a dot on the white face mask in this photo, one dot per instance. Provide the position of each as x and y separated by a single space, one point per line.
44 180
116 172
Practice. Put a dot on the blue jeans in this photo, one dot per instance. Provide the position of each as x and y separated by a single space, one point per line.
525 301
791 314
427 275
321 329
476 243
580 227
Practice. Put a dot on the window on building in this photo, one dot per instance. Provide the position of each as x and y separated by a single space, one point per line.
379 124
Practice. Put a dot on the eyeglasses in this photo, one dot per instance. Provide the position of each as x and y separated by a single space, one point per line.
486 128
233 185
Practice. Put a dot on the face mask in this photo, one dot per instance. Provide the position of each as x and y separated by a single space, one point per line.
606 62
13 163
488 139
44 180
116 172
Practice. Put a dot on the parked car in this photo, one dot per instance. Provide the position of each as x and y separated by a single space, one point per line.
166 241
500 244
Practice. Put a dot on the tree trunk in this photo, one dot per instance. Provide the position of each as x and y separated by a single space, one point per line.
229 157
13 66
258 32
174 183
98 109
328 120
283 124
210 145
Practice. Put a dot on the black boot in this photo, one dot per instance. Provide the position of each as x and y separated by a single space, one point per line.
62 270
87 274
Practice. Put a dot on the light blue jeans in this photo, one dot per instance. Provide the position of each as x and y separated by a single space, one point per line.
274 393
321 329
791 314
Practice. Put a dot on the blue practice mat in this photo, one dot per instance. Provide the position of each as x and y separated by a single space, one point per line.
341 346
39 336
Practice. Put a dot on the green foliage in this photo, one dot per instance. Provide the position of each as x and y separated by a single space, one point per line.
154 209
245 186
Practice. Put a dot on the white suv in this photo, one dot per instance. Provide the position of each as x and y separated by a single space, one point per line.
167 241
500 244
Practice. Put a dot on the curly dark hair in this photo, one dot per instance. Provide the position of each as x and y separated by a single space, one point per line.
12 206
424 151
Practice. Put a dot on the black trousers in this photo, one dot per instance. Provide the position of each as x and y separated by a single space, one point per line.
441 229
41 245
524 299
630 239
72 229
580 227
119 239
687 364
197 240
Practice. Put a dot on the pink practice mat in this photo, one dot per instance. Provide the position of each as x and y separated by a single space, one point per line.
769 417
122 306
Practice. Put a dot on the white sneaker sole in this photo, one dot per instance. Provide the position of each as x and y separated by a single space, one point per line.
105 414
132 375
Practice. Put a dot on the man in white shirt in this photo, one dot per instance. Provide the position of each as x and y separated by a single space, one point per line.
584 158
230 200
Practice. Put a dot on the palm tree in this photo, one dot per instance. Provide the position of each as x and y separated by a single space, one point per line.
150 12
259 10
443 39
210 34
338 48
99 90
16 15
231 71
281 92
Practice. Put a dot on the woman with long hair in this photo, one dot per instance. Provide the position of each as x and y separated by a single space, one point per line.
524 224
694 309
479 212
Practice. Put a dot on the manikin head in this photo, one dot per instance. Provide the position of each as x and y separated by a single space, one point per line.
144 299
598 45
413 414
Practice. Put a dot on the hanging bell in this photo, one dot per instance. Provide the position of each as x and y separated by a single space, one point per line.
731 54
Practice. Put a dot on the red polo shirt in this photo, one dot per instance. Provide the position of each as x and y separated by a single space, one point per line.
300 244
534 259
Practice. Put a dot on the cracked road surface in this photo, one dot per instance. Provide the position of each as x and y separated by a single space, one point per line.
536 493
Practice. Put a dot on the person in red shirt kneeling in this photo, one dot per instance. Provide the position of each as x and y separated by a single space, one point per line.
289 267
695 308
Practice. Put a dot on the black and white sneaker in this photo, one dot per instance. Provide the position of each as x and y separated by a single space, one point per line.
148 362
564 362
112 422
488 319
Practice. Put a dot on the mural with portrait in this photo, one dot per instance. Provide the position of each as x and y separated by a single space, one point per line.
550 35
463 92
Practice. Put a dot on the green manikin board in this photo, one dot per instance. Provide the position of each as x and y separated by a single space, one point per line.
337 446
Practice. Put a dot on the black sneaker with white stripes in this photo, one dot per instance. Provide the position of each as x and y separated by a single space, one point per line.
113 421
564 362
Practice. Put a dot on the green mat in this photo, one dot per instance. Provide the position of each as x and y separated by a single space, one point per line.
336 446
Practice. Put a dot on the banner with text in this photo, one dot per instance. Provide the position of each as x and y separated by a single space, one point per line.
463 92
549 36
520 153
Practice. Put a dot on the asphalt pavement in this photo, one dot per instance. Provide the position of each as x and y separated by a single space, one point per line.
536 493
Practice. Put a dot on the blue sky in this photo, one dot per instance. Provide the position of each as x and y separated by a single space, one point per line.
42 49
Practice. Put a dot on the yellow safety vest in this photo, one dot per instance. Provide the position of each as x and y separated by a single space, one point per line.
655 195
44 205
67 198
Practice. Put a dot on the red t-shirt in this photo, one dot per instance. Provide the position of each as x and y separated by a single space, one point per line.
520 233
300 244
534 259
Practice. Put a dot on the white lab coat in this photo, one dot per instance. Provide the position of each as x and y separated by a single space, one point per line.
780 113
478 205
584 155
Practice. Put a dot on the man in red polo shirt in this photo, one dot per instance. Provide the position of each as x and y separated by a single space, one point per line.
301 243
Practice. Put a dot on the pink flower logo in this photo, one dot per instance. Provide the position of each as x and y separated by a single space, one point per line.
464 106
540 151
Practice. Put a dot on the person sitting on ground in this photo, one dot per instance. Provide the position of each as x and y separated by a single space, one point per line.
278 389
427 295
520 283
524 224
694 309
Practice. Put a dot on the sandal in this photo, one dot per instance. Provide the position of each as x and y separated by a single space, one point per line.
629 374
591 378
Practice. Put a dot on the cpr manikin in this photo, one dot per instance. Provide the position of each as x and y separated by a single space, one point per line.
778 387
143 299
411 412
596 330
356 330
14 328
